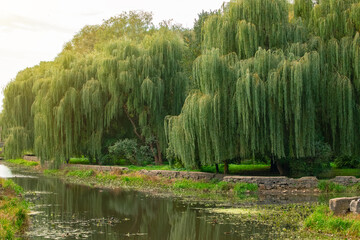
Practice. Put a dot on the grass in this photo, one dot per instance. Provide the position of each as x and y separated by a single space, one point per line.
240 169
49 172
340 172
13 211
79 161
214 189
327 186
22 162
323 220
81 173
330 187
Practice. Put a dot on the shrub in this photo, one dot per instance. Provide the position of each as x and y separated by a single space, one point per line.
313 165
81 160
20 161
11 185
241 188
345 161
130 150
81 173
328 186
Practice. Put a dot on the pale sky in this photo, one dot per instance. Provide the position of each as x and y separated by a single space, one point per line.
36 30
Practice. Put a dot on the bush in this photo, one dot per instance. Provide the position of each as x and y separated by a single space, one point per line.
241 188
81 160
330 187
130 150
347 161
312 166
81 173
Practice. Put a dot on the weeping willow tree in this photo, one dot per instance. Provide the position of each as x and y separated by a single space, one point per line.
66 107
145 82
16 120
272 80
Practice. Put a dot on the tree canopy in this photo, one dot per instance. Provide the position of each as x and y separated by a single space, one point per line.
272 81
271 78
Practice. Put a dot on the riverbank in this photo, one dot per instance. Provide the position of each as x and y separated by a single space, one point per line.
230 199
117 177
13 211
323 220
264 184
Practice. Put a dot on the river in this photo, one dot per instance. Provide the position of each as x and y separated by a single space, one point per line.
70 211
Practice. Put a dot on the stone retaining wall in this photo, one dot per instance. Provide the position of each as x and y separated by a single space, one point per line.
345 180
276 183
181 174
31 158
96 167
264 183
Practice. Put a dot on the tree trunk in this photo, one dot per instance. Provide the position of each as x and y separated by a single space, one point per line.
159 153
226 167
154 154
273 168
283 168
217 167
134 125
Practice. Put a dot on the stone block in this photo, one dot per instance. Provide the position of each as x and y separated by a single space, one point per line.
341 205
345 180
355 206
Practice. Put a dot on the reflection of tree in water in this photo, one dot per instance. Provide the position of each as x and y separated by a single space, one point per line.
133 213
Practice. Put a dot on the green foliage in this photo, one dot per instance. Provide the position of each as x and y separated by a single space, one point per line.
130 150
296 82
123 74
51 172
323 220
271 79
330 187
13 217
23 162
241 188
314 166
11 185
347 161
239 168
105 177
81 173
81 160
340 172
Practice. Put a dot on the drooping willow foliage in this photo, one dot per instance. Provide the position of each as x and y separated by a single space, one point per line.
272 81
64 108
273 78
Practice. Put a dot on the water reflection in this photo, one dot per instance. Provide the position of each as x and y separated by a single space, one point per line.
68 211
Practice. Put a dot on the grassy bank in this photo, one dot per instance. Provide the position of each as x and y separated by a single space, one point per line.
326 186
323 220
13 217
23 162
131 179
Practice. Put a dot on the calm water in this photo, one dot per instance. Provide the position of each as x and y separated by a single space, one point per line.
69 211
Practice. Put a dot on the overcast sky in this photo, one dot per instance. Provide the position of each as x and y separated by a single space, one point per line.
36 30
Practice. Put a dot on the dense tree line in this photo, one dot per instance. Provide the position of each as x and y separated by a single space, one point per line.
268 78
